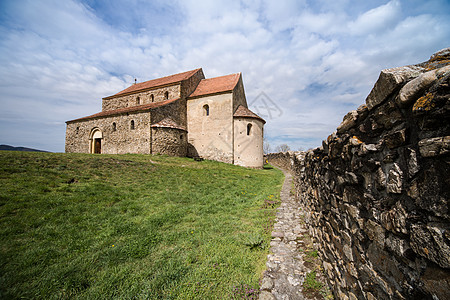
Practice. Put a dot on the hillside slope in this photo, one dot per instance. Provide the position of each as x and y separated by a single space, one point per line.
125 226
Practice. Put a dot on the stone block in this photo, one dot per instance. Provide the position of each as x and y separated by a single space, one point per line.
395 219
348 122
266 284
430 241
436 281
380 179
397 245
413 166
434 146
396 139
395 180
348 252
388 81
265 295
411 91
375 232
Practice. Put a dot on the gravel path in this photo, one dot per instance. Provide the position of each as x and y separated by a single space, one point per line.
286 268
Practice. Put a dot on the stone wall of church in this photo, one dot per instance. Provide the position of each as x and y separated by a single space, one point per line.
211 137
144 97
248 142
122 139
376 194
169 141
175 111
189 85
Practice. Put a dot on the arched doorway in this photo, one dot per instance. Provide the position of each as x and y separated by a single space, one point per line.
96 141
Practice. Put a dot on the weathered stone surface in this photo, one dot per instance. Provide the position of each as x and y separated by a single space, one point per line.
348 122
388 81
434 146
267 283
395 139
265 295
375 232
437 282
430 242
413 166
395 177
410 91
397 245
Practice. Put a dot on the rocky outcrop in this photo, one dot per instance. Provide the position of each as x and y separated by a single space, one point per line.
376 193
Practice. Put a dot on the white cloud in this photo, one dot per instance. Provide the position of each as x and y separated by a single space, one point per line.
315 59
376 20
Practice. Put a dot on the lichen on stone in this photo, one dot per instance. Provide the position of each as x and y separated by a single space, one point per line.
424 103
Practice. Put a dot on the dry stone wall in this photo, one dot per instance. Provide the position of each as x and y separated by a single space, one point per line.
376 193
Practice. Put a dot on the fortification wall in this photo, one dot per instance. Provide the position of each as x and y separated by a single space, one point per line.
376 193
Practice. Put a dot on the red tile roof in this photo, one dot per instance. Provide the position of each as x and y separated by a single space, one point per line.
216 85
244 112
124 110
156 83
168 123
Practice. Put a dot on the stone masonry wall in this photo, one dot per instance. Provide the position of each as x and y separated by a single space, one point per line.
144 98
376 193
120 141
169 141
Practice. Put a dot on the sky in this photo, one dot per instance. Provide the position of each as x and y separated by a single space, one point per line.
304 63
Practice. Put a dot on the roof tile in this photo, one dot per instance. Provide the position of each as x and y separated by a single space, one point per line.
156 82
216 85
168 123
124 110
242 111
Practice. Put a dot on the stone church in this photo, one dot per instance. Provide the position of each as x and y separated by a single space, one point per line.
178 115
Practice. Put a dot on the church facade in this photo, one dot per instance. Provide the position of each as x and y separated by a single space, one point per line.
179 115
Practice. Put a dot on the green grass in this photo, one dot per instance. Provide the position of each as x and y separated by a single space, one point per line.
131 226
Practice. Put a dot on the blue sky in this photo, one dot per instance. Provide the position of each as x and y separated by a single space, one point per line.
305 64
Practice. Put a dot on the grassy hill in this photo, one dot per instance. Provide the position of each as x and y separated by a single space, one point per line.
132 226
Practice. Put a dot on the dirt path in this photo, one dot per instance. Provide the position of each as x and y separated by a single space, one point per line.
289 262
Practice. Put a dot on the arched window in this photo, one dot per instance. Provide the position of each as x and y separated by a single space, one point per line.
132 125
114 127
138 100
249 128
166 95
152 98
206 110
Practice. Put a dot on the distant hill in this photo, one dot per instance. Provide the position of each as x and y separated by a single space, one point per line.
11 148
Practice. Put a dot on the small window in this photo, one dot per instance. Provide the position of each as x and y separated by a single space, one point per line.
77 130
152 98
181 137
114 127
138 100
132 125
166 95
249 128
206 110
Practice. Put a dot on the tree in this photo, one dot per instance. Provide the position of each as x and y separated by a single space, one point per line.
282 148
266 146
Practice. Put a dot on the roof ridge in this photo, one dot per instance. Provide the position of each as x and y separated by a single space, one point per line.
123 110
156 82
219 84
